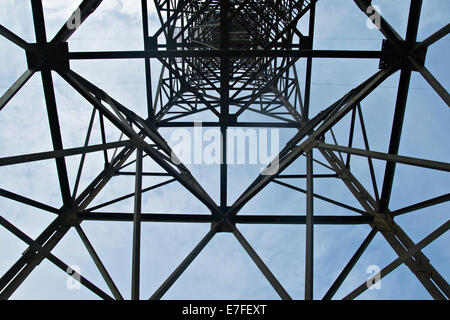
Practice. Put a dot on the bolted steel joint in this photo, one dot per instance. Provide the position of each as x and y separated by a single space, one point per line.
383 222
70 218
223 225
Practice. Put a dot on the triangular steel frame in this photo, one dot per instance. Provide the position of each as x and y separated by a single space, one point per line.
280 98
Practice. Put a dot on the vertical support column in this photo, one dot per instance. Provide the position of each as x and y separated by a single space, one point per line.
148 70
50 100
38 20
135 276
400 106
312 17
224 99
309 260
223 168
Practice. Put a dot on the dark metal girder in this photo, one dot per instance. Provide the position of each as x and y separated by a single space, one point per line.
405 242
184 265
400 108
293 23
239 219
318 196
92 190
432 81
337 54
146 217
100 266
420 266
84 10
26 158
177 124
385 28
295 219
11 92
330 117
42 250
393 158
303 176
369 160
52 113
394 144
402 259
130 195
351 136
183 175
38 20
136 258
309 62
26 257
187 85
165 25
224 98
148 174
431 39
148 71
422 205
27 201
11 36
402 95
83 155
309 247
15 275
259 263
349 266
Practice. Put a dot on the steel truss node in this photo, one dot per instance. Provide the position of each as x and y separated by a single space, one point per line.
221 59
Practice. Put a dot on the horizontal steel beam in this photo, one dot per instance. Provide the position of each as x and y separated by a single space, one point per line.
303 176
336 54
148 174
436 165
239 219
288 219
188 124
147 217
25 158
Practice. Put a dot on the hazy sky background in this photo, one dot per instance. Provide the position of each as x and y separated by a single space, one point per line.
223 270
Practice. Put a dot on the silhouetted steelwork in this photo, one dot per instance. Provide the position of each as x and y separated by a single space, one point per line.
224 58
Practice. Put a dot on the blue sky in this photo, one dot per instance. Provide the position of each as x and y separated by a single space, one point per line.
223 270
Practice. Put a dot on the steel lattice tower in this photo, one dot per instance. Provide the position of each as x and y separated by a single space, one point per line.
221 60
